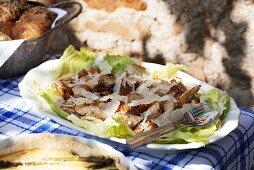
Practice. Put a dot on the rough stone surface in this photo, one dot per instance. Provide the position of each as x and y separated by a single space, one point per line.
215 38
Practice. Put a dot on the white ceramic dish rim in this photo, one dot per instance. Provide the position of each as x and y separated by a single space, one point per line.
10 141
45 71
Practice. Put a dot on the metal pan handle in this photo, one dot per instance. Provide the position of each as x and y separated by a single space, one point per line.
73 9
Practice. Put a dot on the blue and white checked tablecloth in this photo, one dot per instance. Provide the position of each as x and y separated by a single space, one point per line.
235 151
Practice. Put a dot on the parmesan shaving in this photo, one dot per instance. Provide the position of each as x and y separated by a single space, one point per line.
93 80
118 82
154 90
87 94
81 100
147 100
166 97
143 88
172 116
114 96
150 98
111 107
75 78
80 81
132 79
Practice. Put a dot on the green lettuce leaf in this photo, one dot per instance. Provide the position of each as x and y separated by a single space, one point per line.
167 71
108 128
96 127
53 92
219 100
49 102
120 129
190 134
118 63
73 61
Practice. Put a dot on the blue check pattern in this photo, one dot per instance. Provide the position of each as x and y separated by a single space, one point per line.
235 151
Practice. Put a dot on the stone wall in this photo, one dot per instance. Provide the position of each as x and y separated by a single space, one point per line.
215 38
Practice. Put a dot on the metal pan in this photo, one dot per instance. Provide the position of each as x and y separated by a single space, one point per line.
30 54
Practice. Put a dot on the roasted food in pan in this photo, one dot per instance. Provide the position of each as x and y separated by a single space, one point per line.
20 20
32 51
6 28
10 10
35 21
4 37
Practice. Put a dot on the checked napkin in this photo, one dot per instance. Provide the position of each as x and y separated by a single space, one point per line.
235 151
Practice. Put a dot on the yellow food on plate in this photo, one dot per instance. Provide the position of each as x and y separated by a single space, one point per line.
40 152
